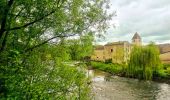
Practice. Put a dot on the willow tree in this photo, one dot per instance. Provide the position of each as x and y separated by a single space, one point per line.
28 29
144 62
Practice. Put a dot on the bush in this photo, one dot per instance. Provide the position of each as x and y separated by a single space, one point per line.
166 71
108 61
111 68
162 73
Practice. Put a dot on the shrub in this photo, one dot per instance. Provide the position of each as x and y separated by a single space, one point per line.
111 68
108 61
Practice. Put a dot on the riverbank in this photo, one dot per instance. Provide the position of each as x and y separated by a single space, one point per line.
163 74
115 69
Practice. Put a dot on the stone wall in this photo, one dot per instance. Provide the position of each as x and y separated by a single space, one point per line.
117 52
98 55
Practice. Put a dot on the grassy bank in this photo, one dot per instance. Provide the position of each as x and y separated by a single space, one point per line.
162 75
109 67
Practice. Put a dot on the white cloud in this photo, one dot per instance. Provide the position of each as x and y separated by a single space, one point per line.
150 18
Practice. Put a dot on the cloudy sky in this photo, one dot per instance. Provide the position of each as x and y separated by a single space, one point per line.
150 18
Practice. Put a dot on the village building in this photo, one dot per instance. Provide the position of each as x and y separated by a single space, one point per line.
136 40
164 52
119 52
98 54
116 52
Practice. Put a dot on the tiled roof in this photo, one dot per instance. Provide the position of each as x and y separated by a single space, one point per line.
116 43
164 48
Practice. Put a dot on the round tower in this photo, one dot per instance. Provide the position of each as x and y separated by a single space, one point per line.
136 40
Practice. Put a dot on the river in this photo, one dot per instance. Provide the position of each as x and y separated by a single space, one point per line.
108 87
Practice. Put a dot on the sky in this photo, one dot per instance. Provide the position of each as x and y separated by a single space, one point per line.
150 18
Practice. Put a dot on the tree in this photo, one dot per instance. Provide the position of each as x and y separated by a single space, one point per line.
144 62
82 47
28 62
64 18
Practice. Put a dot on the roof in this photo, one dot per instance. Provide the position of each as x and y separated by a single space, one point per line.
164 48
136 36
99 47
116 43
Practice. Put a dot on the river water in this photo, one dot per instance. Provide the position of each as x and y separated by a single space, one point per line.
107 87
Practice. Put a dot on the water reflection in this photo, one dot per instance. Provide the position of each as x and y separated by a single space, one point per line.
98 76
107 87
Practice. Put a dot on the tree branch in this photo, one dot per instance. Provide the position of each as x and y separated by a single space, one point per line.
61 36
29 49
4 19
36 20
31 23
18 13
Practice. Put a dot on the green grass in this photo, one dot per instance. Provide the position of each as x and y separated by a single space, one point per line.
109 67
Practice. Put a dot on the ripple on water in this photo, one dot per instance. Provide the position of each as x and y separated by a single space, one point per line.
119 88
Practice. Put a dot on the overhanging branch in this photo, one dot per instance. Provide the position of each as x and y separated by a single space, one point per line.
31 23
36 20
38 45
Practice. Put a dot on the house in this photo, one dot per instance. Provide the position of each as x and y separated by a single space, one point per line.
164 52
117 52
98 54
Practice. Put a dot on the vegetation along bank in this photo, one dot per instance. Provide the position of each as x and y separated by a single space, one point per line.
144 64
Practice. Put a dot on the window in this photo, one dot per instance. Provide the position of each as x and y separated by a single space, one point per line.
111 50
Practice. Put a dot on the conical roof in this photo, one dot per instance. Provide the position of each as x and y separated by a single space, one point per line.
136 36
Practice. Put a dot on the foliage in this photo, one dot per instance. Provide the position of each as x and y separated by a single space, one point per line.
108 61
111 68
144 62
164 72
61 51
37 78
59 18
31 63
80 48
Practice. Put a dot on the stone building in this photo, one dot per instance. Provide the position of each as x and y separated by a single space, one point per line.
98 53
164 52
136 40
117 52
